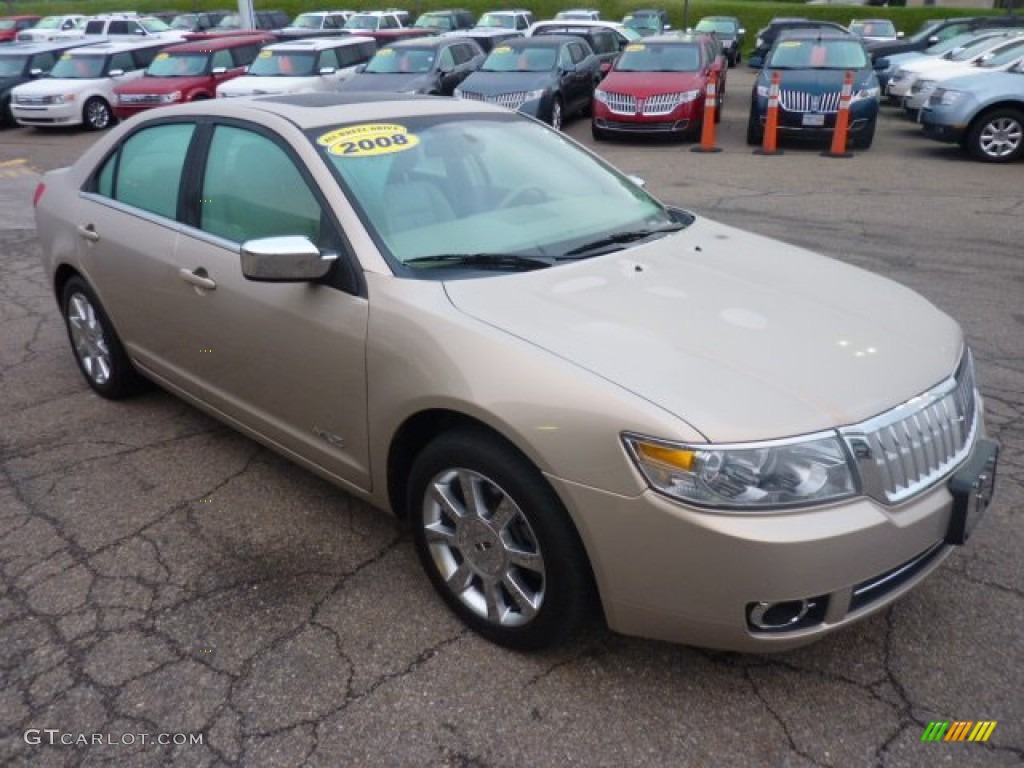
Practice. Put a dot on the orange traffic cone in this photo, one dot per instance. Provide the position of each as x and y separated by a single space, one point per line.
842 120
707 129
769 144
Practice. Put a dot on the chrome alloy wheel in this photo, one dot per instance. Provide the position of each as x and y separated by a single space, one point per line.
1001 137
89 339
484 548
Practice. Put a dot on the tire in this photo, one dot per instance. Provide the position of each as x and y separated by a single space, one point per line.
557 114
863 138
997 136
755 131
497 543
98 351
96 114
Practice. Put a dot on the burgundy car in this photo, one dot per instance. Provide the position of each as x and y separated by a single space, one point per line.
657 87
189 71
10 26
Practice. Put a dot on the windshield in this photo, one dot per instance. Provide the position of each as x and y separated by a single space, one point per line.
1006 54
925 32
873 28
154 25
951 44
12 66
6 23
507 59
434 21
231 21
178 65
721 28
818 54
74 67
308 21
283 64
50 22
503 20
660 57
970 51
401 177
362 21
184 21
405 60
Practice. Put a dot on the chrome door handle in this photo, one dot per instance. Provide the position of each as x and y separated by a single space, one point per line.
88 232
197 278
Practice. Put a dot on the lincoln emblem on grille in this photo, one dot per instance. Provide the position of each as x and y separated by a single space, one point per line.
815 103
639 106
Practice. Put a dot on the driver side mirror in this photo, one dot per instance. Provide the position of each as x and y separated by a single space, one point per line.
288 259
35 72
115 73
218 70
327 71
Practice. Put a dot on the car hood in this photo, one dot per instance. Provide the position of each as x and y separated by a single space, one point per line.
252 85
491 83
10 82
47 86
742 337
980 84
162 84
644 84
391 83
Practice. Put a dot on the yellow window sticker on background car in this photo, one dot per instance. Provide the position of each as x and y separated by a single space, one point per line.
635 47
385 52
503 49
66 57
790 44
162 56
368 140
266 54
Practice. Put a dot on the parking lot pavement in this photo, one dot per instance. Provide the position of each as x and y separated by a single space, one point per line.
167 580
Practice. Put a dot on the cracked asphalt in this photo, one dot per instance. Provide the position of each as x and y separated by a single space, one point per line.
163 575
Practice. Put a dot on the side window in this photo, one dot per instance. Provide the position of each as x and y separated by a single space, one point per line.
222 59
94 27
244 55
43 61
389 22
122 61
565 57
446 61
149 170
252 189
579 53
119 28
144 57
331 22
328 58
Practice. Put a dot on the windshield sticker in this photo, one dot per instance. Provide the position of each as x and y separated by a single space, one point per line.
790 44
266 54
162 56
66 57
636 47
368 140
503 49
385 52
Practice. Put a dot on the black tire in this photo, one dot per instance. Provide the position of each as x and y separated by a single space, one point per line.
755 131
97 115
557 114
522 581
864 137
997 136
98 351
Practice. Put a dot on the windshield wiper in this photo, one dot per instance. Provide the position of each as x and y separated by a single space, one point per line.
485 260
620 238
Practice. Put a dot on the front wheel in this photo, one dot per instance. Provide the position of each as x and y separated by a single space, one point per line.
96 114
556 113
98 351
496 541
864 137
755 131
997 136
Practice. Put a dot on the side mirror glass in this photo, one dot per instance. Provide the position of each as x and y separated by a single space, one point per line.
218 70
289 259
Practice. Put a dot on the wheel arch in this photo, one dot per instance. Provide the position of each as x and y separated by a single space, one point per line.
981 114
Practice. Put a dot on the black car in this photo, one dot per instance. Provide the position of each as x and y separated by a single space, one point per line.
202 21
729 31
431 65
812 68
260 20
548 76
486 37
606 42
938 30
767 36
22 62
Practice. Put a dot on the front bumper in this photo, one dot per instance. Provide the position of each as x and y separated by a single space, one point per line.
677 573
69 113
941 127
685 119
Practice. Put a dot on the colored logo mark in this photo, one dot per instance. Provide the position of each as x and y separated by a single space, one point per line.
959 730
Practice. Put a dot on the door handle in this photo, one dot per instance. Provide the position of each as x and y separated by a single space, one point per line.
197 278
88 232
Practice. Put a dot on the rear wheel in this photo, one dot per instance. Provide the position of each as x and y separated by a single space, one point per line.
997 136
496 541
755 131
98 351
556 113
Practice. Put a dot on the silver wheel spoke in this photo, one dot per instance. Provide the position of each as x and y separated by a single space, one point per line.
504 514
449 504
440 534
531 561
526 603
461 578
496 610
475 504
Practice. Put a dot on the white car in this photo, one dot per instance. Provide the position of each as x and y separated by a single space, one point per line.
626 34
302 66
903 78
80 88
47 28
997 60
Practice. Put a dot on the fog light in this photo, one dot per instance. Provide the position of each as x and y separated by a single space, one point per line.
785 615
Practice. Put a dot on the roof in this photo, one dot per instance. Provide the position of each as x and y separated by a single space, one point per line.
219 43
319 43
21 48
118 46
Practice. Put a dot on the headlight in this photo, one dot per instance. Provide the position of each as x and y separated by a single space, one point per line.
865 94
687 96
170 98
767 475
945 98
63 98
600 95
534 95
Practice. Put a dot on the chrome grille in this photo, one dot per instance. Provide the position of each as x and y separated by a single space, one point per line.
139 98
620 103
909 448
627 104
800 101
661 104
21 99
508 100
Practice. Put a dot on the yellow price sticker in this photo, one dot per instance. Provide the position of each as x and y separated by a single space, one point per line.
368 140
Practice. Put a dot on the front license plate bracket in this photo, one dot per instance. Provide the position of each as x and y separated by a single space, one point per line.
972 487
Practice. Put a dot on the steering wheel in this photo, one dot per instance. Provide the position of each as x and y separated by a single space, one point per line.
523 196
